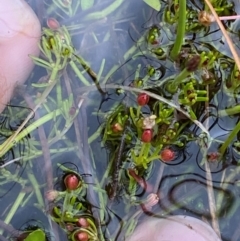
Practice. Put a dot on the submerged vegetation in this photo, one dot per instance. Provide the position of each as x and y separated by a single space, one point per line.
125 114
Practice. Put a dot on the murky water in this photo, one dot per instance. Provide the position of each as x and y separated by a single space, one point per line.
72 132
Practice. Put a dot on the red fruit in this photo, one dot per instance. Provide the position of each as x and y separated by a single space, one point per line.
81 236
147 135
71 181
167 155
142 99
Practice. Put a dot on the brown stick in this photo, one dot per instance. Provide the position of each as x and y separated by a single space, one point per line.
44 144
229 41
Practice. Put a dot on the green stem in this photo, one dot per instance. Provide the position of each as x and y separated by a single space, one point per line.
15 206
36 188
230 111
31 127
79 73
144 150
229 139
95 135
180 30
102 14
181 76
101 69
110 73
35 154
173 86
138 112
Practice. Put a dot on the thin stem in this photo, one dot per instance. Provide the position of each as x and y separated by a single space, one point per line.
229 17
210 191
79 73
230 111
35 186
181 76
28 130
211 198
173 86
102 14
15 207
229 139
180 30
144 150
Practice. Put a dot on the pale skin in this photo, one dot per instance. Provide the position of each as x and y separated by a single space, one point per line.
20 32
174 228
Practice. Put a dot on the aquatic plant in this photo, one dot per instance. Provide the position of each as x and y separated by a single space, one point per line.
154 125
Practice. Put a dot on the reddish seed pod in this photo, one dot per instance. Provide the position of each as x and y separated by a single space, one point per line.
167 155
72 111
117 128
81 236
147 135
53 24
142 99
82 222
155 42
71 181
213 156
69 227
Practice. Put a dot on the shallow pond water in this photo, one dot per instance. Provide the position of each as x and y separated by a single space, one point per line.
85 153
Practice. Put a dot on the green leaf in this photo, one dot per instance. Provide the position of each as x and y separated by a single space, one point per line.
155 4
37 235
86 4
40 85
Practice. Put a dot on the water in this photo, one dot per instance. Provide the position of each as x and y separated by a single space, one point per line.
66 130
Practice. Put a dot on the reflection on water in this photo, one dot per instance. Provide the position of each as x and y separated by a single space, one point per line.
78 166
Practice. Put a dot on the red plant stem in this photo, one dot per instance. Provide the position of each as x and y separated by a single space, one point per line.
146 186
138 179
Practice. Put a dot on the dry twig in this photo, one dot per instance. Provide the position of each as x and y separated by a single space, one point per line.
229 41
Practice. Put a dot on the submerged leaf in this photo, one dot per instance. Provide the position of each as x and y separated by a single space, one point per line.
37 235
86 4
155 4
